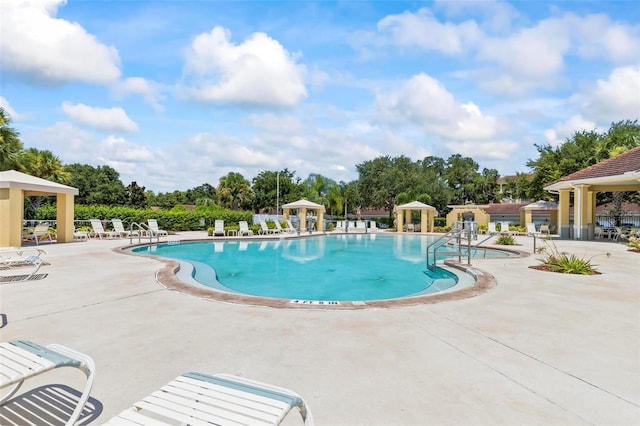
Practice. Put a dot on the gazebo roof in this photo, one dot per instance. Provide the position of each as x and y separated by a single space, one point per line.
303 204
540 205
416 205
33 185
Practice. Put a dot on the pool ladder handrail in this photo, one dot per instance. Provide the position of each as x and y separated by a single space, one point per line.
468 230
142 231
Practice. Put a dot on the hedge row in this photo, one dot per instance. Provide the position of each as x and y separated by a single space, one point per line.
171 220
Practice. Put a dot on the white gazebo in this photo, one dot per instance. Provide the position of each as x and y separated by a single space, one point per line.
427 215
302 206
14 186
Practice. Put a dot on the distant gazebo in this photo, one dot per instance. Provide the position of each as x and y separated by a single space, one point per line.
14 186
427 215
526 212
303 206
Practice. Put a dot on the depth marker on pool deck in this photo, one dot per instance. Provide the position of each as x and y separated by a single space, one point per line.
315 302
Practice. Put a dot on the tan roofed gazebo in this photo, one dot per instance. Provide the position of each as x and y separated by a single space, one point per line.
14 186
427 215
526 212
302 206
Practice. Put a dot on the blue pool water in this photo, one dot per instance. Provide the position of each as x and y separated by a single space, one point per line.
320 268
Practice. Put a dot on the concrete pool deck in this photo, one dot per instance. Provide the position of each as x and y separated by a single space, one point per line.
539 348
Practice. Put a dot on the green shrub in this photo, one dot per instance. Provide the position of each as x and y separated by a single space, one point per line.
562 262
506 240
171 220
440 221
634 241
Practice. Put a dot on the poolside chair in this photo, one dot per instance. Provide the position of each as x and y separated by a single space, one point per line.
196 398
264 229
218 230
244 229
155 230
280 229
339 226
361 226
532 231
80 235
24 259
21 360
290 227
544 229
118 228
598 232
40 232
98 230
491 228
504 227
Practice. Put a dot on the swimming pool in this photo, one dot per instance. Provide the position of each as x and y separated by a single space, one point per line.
319 268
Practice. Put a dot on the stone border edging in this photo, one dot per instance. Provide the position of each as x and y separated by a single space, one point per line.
166 277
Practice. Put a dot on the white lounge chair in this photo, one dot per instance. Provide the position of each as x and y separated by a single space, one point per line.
290 227
244 229
280 229
119 229
544 229
361 226
218 228
504 227
265 230
196 398
532 231
155 230
98 230
21 360
491 228
26 260
40 232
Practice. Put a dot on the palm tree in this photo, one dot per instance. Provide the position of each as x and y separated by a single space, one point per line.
10 144
234 191
45 165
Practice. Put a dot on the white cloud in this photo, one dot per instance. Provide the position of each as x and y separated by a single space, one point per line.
70 143
13 114
424 101
494 150
613 41
112 119
423 30
563 130
150 91
118 149
614 99
259 71
497 16
48 50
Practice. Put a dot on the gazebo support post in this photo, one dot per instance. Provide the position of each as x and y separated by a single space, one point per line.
11 211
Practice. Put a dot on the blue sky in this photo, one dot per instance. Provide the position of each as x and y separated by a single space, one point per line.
174 94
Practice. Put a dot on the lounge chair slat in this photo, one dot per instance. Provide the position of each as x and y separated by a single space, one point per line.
245 408
176 412
200 399
205 408
233 395
131 417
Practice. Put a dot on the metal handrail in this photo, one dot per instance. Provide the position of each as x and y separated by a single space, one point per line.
460 229
143 231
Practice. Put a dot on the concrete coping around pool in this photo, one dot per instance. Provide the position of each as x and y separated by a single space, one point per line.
167 277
